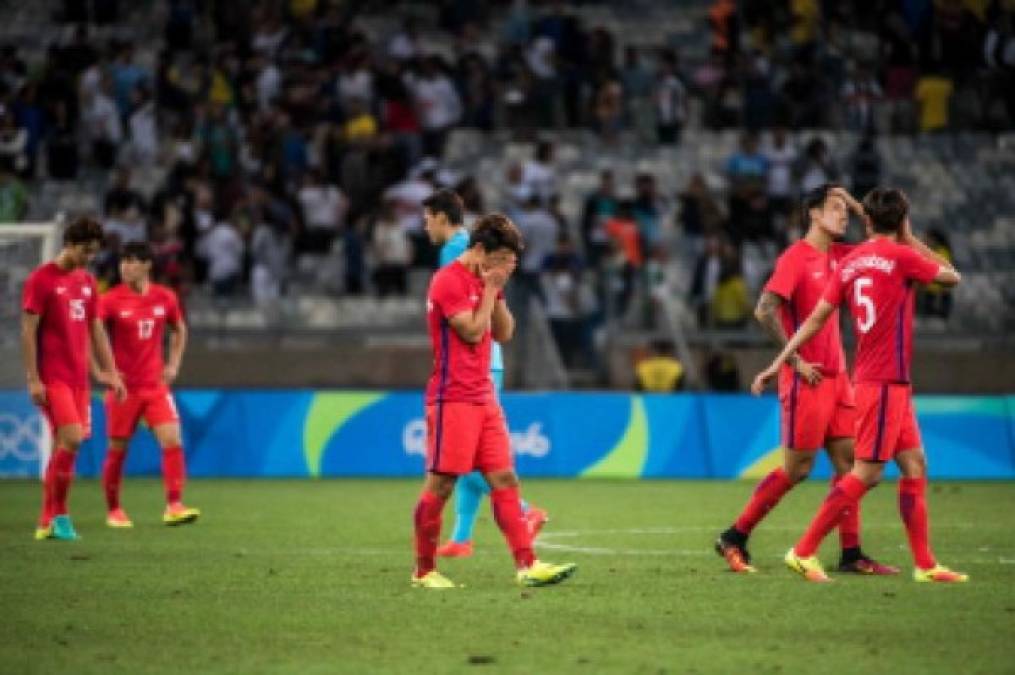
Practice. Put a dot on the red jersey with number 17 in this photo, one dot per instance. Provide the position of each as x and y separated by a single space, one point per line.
461 371
800 276
877 279
136 324
65 302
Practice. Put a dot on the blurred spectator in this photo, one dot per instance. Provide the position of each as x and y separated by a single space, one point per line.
629 258
568 304
538 173
725 25
659 372
128 224
781 155
722 372
748 166
933 93
61 146
671 106
13 195
700 213
861 93
103 130
323 208
935 300
730 306
816 167
144 142
270 250
13 142
637 82
223 249
866 166
437 103
121 195
403 45
608 105
392 254
354 256
648 210
539 231
126 76
599 207
707 271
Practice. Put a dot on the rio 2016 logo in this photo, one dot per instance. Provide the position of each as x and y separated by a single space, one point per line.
21 438
531 442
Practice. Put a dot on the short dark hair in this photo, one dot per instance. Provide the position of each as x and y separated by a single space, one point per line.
137 250
887 209
815 198
447 202
496 231
82 230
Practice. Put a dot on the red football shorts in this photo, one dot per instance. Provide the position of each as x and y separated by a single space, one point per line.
811 415
155 405
67 405
886 421
464 437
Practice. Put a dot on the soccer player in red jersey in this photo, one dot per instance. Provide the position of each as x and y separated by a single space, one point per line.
466 430
815 393
876 279
59 318
137 313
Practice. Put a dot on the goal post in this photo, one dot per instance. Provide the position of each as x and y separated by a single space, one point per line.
25 438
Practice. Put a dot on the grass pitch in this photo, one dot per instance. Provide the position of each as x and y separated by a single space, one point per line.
312 577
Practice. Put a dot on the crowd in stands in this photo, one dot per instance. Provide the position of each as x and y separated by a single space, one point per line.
289 134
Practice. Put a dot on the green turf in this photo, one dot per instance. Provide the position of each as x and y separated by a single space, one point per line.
312 577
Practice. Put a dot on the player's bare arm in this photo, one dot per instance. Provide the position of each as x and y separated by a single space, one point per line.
177 345
470 326
30 354
767 314
503 322
818 318
104 355
947 275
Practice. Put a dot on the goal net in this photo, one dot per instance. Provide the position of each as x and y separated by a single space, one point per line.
25 440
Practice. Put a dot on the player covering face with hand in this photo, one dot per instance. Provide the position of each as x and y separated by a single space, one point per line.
443 220
877 281
466 430
137 313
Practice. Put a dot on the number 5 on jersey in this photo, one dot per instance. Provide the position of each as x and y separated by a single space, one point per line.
864 302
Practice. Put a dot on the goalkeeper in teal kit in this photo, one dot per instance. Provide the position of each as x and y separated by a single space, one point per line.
443 219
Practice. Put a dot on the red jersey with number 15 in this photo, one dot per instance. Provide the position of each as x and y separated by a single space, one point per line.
136 324
65 302
461 371
800 276
876 279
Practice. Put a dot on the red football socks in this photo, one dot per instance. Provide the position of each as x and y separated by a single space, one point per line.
59 475
173 473
913 509
846 494
849 526
770 490
507 511
427 520
112 476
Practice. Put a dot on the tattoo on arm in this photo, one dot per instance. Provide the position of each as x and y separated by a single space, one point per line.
767 314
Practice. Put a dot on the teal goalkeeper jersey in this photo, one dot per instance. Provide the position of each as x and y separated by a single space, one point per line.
452 248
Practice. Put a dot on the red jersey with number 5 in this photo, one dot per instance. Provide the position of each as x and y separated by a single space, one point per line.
65 302
877 279
136 324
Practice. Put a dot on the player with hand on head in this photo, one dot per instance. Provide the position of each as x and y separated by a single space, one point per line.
443 220
466 429
815 392
59 320
137 313
877 281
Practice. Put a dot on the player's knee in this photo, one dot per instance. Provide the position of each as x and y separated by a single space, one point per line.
502 479
70 438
